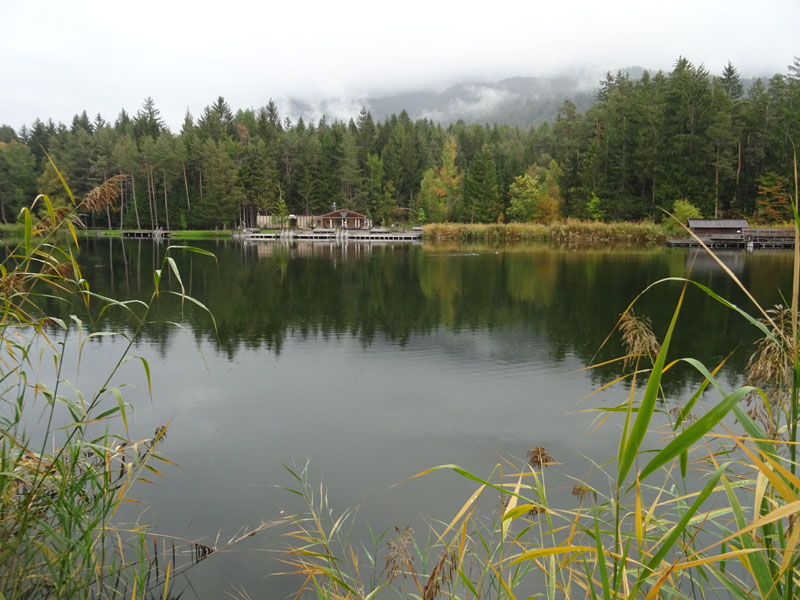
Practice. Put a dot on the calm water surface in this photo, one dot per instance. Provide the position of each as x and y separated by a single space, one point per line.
377 362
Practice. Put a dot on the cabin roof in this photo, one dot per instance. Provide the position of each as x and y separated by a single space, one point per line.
717 223
343 213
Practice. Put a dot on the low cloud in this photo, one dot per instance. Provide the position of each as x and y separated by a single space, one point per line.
479 101
312 110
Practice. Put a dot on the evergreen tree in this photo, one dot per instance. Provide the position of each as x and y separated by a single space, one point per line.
375 195
222 195
388 208
7 134
722 142
17 179
731 82
124 123
350 174
366 137
480 189
566 146
148 120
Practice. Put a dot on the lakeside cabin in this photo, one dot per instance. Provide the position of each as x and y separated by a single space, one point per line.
735 233
342 219
717 228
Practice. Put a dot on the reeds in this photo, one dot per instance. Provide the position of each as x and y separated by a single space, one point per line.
571 230
61 488
699 507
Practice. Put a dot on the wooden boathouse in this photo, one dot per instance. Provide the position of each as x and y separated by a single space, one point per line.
734 233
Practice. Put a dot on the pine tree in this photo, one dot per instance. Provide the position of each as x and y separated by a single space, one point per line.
148 120
480 189
366 137
17 178
350 174
731 82
374 184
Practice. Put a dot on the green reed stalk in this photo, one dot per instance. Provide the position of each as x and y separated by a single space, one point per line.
789 584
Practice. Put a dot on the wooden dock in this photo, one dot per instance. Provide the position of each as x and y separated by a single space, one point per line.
344 235
750 237
140 234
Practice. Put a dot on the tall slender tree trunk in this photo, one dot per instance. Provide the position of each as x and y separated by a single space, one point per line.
653 191
738 172
149 199
108 211
135 206
121 203
166 206
186 183
716 186
153 205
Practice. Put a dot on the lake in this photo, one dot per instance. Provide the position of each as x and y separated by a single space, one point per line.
376 362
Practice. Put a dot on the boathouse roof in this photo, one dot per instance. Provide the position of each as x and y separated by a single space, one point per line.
343 213
717 223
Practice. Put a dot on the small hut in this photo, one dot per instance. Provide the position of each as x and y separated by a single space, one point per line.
342 219
717 228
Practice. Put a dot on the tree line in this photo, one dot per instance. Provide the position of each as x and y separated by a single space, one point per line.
645 143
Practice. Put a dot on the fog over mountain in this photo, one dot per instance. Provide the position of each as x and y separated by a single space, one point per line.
521 101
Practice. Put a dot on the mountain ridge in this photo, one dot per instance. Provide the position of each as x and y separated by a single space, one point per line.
522 101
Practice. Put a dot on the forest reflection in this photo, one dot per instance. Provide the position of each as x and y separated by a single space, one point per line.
569 298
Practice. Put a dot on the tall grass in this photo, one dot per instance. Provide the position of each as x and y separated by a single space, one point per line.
706 505
63 479
558 232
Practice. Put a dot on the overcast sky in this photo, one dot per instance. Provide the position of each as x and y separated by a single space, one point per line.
58 58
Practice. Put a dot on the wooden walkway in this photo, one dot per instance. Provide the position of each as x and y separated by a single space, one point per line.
139 234
354 235
750 237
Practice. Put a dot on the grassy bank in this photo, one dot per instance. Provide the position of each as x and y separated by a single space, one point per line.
183 234
201 234
562 231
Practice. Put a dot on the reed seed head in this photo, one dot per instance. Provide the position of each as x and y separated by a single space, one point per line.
104 195
638 338
540 457
399 560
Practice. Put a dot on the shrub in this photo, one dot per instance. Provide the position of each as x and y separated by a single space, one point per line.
682 211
